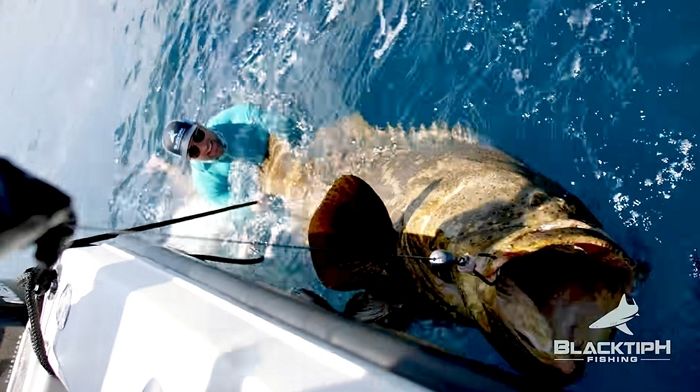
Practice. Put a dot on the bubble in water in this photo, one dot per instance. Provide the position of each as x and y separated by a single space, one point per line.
576 66
694 264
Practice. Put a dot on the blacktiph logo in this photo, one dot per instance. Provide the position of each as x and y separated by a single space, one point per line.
618 317
615 352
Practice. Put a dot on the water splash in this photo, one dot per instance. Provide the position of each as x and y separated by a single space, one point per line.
389 33
579 19
337 7
694 264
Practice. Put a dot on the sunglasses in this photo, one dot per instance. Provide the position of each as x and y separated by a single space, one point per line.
193 151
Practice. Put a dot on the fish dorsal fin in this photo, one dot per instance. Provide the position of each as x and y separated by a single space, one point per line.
351 236
623 301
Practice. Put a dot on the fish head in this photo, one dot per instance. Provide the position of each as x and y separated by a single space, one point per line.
529 284
541 284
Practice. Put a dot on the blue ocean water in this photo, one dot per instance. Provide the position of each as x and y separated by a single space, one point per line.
599 96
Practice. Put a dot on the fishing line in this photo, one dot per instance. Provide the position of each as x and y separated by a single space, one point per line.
224 240
263 243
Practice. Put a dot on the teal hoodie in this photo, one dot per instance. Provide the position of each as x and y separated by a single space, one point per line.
245 131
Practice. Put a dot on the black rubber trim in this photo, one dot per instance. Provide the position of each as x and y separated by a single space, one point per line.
419 363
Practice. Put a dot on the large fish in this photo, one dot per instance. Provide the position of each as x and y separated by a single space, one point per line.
531 263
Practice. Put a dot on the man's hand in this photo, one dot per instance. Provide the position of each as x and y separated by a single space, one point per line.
157 164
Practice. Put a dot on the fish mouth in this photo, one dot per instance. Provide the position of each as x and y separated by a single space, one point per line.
551 283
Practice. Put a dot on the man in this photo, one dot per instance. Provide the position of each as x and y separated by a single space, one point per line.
241 132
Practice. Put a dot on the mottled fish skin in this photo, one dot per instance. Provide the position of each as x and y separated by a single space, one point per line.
445 189
435 182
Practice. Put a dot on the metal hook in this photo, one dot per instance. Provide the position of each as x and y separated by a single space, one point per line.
466 263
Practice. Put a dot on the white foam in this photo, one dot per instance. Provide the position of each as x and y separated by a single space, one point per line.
621 202
576 66
390 33
580 19
337 7
662 182
685 147
184 235
517 75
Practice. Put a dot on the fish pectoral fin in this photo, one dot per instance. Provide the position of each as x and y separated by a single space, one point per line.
351 236
624 328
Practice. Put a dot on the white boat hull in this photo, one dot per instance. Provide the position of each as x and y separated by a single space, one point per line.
149 319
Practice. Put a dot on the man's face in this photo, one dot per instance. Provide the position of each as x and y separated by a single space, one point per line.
204 145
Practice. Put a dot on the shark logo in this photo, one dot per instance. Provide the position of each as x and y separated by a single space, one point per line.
175 139
611 352
618 317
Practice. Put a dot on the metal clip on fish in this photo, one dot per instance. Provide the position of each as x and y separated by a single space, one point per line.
441 257
465 264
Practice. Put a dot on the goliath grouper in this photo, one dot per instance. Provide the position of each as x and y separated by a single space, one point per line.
518 257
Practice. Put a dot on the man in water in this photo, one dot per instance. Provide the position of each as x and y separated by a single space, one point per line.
241 132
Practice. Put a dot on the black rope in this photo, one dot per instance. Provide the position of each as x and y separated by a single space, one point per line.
227 260
87 241
29 278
